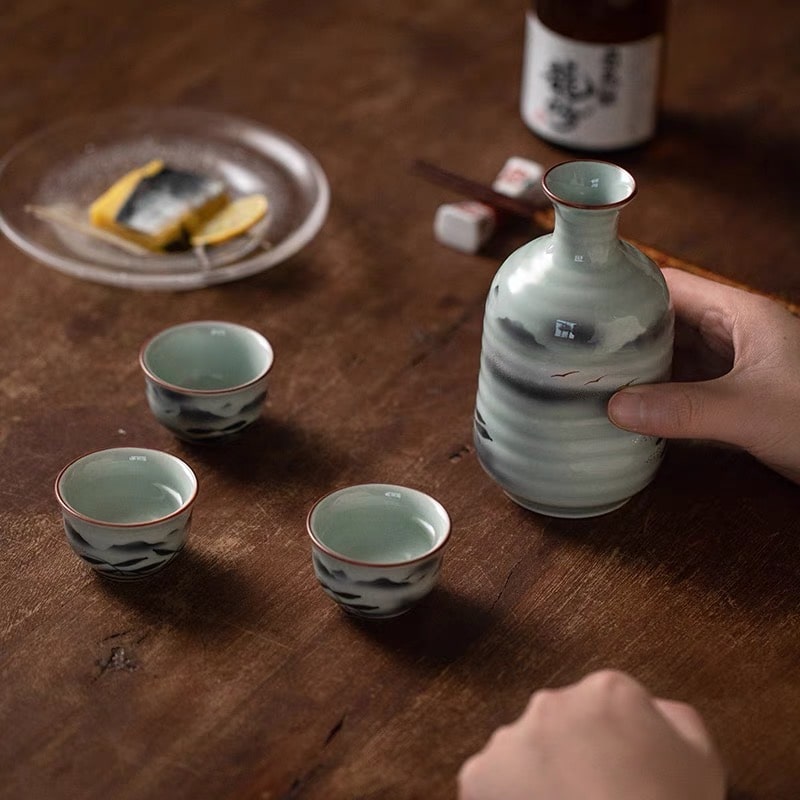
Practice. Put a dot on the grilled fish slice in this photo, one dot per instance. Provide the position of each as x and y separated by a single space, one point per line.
157 206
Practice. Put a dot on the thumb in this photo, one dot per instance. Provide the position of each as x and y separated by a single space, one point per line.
701 410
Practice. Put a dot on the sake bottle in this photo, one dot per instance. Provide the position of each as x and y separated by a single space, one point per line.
592 72
571 318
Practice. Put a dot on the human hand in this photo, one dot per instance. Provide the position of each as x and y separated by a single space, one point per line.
755 404
604 738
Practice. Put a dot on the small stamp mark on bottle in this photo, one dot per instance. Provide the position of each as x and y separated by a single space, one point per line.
565 329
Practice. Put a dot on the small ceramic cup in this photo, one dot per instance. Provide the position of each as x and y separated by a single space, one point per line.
206 380
126 510
377 548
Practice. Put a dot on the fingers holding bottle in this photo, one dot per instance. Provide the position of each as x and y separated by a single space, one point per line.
754 404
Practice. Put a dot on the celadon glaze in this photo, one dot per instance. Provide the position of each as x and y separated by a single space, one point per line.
572 317
206 380
126 510
377 548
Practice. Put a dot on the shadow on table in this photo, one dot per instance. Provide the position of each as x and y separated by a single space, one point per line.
191 594
713 516
292 279
272 451
695 146
440 631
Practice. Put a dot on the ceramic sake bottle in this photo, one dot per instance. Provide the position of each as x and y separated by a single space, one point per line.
572 317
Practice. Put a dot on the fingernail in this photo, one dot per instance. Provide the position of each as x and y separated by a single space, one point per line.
625 409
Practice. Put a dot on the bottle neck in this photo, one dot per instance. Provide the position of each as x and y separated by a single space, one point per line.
584 238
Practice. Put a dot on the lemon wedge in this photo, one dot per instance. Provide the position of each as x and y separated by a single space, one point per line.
233 220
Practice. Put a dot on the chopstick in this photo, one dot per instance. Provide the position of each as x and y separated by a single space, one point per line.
483 193
543 218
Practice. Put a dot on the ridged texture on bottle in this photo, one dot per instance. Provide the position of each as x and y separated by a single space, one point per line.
567 324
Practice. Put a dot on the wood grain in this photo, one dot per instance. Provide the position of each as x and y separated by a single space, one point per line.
231 676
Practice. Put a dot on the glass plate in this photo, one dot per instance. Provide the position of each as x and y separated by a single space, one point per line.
65 167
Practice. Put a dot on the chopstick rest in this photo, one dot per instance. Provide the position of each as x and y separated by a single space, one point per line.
467 225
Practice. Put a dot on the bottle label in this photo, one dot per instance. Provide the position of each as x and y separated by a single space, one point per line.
588 95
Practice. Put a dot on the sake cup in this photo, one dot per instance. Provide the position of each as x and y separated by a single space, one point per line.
377 548
126 510
206 380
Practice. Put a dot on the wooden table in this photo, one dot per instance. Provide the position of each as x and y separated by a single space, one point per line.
231 675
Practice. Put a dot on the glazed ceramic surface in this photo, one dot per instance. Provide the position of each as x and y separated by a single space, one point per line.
126 510
572 317
206 380
377 548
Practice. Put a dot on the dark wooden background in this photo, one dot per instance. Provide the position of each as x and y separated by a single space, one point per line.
232 675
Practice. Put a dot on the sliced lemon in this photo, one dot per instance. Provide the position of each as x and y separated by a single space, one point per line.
233 220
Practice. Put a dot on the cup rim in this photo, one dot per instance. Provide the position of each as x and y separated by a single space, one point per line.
205 392
65 506
372 564
589 206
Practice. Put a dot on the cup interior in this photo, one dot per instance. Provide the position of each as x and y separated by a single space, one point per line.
589 184
207 356
379 524
126 486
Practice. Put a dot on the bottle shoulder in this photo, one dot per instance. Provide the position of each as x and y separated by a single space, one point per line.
623 298
538 264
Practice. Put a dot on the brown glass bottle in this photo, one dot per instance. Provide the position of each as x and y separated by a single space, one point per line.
592 72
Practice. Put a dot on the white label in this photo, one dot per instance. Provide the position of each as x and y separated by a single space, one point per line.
594 96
